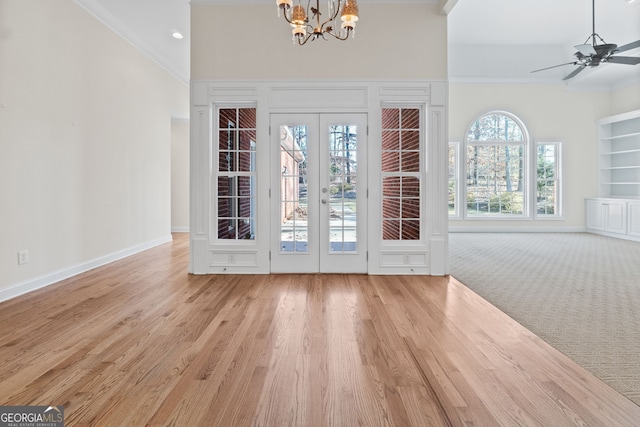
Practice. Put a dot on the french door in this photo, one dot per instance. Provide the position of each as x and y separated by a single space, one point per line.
318 193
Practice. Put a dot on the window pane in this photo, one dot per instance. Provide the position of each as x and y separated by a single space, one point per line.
391 230
546 180
495 179
453 178
227 117
293 189
343 167
390 161
410 140
391 186
495 127
236 178
247 118
390 118
401 169
390 140
390 208
411 230
410 161
410 118
410 186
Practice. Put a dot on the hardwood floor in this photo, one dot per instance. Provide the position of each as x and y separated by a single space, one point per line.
141 342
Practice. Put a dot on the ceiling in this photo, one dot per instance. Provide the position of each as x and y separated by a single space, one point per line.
489 40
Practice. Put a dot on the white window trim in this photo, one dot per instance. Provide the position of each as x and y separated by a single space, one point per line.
215 173
559 215
421 175
527 143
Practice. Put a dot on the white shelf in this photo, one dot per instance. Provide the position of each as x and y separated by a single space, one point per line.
622 183
609 138
637 150
612 168
619 159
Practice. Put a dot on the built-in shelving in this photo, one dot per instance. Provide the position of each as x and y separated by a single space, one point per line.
616 210
619 160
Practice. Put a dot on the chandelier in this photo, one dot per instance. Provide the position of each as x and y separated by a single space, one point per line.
303 31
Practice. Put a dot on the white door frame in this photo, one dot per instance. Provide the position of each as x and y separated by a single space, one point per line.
318 254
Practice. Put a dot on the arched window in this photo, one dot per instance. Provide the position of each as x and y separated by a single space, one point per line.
496 166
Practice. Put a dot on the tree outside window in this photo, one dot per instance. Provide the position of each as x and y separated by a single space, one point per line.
496 147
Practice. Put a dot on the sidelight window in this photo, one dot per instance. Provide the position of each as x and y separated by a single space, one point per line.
236 173
401 173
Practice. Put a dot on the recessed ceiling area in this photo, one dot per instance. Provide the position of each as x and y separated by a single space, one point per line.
489 40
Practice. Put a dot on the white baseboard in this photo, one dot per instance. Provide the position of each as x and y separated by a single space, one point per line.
48 279
180 229
517 229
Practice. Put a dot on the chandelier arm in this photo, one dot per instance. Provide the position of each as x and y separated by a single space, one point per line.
286 18
306 39
340 38
335 14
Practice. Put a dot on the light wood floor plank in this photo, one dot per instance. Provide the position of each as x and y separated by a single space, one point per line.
141 342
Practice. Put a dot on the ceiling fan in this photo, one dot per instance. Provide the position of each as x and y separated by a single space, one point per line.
592 55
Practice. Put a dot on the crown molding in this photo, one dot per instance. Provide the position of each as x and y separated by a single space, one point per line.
94 8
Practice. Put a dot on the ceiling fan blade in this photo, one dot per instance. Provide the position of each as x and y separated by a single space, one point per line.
555 66
629 46
575 72
585 49
629 60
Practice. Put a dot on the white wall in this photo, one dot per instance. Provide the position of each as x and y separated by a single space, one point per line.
625 98
85 142
252 42
180 175
550 112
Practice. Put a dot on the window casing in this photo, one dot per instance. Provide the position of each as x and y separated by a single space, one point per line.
496 167
235 174
401 173
548 195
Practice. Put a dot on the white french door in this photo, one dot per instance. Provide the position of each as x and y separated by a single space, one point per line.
318 193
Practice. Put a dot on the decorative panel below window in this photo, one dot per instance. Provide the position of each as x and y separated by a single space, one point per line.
236 173
401 173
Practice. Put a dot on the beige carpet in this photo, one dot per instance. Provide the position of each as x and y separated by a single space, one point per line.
579 292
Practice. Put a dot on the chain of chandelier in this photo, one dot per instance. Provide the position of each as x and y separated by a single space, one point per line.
303 31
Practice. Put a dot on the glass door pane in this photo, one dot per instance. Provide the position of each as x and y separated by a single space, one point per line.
343 167
343 193
294 207
294 193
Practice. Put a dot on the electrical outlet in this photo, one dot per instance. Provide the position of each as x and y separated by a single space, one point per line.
23 257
